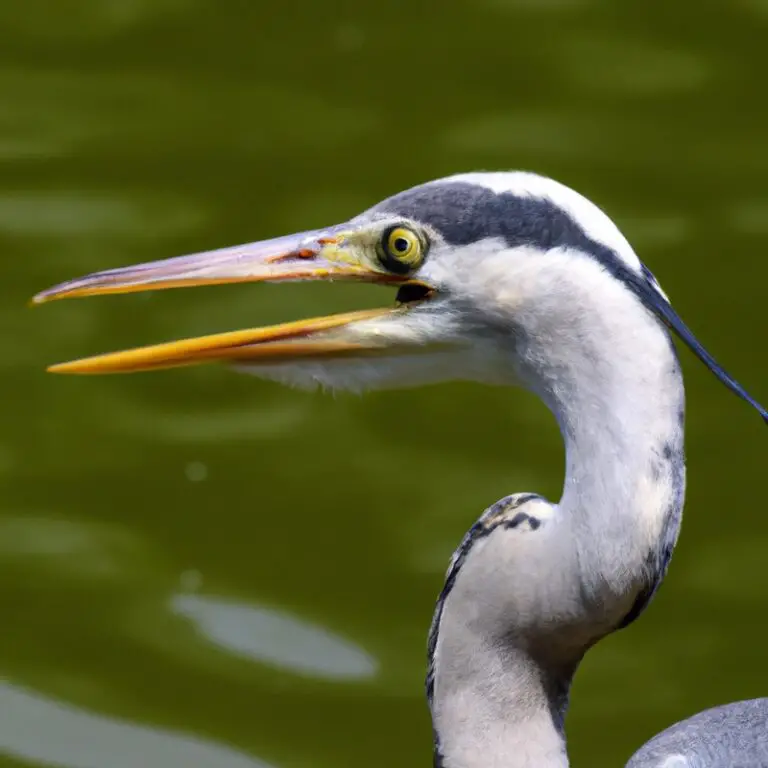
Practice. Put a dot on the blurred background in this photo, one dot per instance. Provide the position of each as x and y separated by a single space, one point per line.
198 568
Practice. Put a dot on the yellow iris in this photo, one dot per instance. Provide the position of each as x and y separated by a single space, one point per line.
401 250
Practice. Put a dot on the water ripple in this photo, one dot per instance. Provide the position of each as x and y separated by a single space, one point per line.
629 68
749 217
91 551
36 728
519 132
265 420
274 637
151 109
515 6
84 19
73 213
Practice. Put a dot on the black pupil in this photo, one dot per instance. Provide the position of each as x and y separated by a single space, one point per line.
400 245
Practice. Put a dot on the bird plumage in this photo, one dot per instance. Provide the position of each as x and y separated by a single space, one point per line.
730 736
475 216
510 279
503 650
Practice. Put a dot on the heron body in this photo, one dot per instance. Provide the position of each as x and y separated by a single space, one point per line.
510 279
728 736
501 664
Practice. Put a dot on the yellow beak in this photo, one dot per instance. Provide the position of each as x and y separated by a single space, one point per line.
316 255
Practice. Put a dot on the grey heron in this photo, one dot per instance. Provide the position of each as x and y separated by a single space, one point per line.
508 279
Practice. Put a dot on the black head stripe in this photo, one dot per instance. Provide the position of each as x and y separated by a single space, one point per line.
464 213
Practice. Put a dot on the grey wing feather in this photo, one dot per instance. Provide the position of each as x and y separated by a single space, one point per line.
731 736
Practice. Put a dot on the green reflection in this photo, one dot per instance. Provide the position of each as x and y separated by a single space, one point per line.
137 130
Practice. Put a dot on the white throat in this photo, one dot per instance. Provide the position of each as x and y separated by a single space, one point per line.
609 373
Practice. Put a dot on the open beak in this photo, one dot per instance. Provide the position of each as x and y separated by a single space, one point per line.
317 255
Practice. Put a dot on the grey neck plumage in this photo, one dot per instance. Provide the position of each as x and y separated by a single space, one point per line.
520 610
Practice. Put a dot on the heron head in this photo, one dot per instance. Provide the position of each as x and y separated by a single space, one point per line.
432 245
482 264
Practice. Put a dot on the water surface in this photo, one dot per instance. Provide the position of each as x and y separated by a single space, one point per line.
197 568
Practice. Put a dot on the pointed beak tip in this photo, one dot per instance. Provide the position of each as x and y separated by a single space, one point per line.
60 368
46 296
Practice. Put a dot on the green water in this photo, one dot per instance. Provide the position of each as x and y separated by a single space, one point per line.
201 569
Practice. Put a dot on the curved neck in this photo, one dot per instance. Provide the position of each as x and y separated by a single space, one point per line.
614 384
622 500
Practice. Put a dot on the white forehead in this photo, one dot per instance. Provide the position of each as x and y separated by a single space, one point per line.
592 220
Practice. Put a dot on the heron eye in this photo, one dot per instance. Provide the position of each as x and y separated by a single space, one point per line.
400 251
